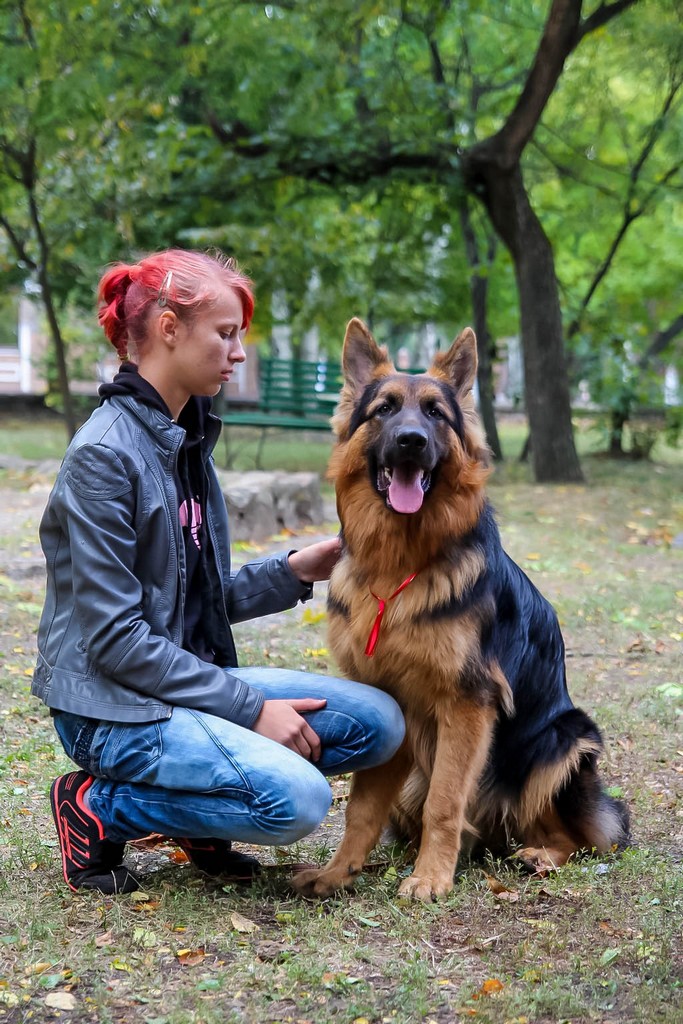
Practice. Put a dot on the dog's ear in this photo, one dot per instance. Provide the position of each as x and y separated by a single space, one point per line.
361 355
459 364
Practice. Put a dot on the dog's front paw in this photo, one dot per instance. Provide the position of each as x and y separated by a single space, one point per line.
425 887
323 882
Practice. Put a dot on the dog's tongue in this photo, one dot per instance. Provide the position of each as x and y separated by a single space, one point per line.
405 490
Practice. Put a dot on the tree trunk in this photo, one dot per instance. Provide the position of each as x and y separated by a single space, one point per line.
546 384
60 352
46 292
479 284
616 433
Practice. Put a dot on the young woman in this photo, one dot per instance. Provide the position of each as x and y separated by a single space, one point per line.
136 658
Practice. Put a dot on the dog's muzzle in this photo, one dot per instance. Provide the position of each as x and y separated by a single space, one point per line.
402 476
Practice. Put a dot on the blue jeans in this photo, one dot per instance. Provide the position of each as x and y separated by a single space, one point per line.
199 776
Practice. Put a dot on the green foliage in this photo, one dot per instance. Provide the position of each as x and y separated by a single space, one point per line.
320 143
606 174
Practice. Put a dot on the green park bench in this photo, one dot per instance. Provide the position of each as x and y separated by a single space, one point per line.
292 395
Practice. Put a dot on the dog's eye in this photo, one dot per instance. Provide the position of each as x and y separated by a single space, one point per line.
434 412
383 410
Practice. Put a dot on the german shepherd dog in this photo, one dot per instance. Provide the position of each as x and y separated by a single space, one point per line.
425 604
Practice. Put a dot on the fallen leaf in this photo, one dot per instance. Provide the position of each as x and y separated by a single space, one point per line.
274 951
139 897
178 856
243 924
61 1000
190 957
121 965
492 985
333 979
310 617
149 842
622 933
543 894
316 652
489 987
536 923
500 890
144 937
147 907
37 968
104 939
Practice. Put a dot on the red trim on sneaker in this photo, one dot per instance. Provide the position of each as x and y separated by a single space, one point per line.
80 793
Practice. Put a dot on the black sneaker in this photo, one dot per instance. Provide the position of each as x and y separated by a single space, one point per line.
89 861
216 857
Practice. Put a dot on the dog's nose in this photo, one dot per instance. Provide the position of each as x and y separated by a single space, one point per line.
412 441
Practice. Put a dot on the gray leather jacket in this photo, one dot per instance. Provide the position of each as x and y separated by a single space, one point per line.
109 640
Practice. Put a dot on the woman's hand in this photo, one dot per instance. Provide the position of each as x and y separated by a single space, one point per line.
280 721
316 561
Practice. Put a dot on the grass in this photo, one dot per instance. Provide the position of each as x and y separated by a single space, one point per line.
38 437
600 941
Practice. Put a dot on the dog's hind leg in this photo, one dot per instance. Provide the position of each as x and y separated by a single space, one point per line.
373 792
581 816
548 844
406 814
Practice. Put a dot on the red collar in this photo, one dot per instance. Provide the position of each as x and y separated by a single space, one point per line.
382 604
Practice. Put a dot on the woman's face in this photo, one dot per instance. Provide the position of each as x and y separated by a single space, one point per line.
209 345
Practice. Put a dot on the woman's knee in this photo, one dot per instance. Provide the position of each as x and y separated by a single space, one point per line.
385 723
294 808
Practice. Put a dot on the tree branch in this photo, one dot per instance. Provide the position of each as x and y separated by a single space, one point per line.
600 17
26 24
18 245
557 42
629 216
661 340
630 212
325 166
565 171
562 33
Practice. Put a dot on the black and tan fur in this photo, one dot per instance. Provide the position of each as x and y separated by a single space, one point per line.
471 651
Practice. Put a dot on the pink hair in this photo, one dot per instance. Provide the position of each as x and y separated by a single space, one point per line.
174 279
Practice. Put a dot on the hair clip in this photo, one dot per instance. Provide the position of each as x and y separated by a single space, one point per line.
162 297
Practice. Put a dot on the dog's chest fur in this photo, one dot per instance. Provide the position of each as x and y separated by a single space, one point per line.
427 638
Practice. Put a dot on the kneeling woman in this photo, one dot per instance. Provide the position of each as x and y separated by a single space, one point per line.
136 658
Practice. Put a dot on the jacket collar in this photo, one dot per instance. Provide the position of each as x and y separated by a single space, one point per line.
167 434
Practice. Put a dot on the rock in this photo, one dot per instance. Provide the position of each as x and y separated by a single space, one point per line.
261 504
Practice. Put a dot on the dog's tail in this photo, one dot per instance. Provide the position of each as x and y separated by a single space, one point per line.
599 821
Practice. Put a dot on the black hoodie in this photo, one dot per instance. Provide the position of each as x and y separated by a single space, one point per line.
190 485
